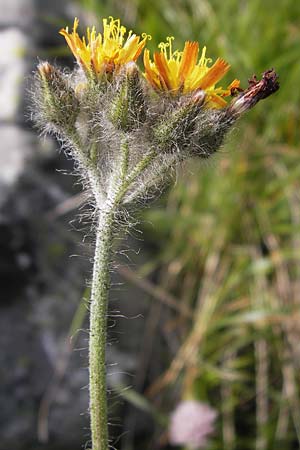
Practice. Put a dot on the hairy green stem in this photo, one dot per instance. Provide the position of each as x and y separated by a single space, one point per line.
133 175
98 319
100 291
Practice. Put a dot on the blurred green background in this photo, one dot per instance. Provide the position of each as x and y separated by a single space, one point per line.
226 237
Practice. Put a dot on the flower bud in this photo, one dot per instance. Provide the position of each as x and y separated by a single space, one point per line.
174 130
59 105
198 97
128 105
210 131
46 71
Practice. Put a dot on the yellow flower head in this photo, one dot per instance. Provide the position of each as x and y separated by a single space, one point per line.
179 72
104 53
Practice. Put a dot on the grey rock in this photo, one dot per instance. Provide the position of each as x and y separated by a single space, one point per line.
38 18
17 13
17 147
14 68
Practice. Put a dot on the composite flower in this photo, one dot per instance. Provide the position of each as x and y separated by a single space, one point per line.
182 72
104 53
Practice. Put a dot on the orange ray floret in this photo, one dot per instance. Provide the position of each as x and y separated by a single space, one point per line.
163 69
103 53
181 72
214 74
189 58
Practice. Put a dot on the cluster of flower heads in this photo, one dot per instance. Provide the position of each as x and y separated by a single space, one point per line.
174 110
173 72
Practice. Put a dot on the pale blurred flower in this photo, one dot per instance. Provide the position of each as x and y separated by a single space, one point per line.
191 424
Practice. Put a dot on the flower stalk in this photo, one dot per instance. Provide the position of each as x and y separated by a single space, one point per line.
97 341
127 132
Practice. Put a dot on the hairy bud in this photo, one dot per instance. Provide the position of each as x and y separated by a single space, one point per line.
58 103
173 130
210 131
128 105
